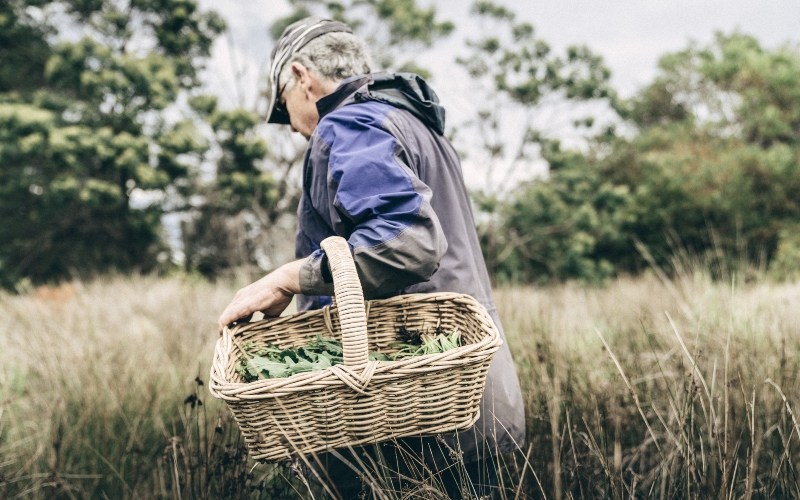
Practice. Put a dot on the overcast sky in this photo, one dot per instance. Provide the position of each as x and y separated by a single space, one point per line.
632 35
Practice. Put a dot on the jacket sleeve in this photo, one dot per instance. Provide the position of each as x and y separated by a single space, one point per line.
374 199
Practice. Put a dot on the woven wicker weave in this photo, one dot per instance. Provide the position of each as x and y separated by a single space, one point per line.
360 401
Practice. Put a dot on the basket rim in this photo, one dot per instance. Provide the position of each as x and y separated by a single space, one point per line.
472 353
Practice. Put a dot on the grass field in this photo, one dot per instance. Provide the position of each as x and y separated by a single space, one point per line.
646 387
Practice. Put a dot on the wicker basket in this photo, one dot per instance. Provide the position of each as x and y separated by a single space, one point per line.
360 401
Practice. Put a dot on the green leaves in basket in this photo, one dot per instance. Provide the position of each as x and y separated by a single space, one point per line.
272 369
379 356
428 344
269 361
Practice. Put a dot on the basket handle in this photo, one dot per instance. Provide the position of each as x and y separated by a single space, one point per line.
349 301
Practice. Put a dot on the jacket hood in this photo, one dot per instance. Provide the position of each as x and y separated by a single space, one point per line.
402 90
407 91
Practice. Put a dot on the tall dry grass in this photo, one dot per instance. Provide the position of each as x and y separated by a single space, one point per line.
684 388
102 394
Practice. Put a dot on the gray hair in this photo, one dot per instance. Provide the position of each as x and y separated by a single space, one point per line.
332 57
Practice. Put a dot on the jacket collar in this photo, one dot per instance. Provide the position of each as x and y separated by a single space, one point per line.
345 90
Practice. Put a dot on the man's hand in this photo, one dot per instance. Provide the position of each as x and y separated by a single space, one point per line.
270 295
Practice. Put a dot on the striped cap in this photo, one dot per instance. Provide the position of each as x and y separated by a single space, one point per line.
294 37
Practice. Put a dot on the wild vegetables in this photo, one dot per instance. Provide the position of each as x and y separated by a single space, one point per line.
415 343
270 361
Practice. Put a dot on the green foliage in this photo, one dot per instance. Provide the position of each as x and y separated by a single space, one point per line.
64 197
491 9
97 143
86 155
570 226
714 163
271 361
407 21
785 266
520 79
523 67
21 68
707 174
734 85
239 182
240 186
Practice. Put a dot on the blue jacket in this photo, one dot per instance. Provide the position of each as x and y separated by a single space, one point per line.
379 172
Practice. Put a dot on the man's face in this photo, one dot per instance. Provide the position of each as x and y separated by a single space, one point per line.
302 108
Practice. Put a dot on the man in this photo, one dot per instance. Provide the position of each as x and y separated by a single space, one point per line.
379 172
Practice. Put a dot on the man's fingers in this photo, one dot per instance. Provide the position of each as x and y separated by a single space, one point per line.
269 295
228 319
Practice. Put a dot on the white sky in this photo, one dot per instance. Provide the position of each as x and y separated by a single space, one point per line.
632 35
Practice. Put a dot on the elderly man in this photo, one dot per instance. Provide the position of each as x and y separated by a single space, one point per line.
379 172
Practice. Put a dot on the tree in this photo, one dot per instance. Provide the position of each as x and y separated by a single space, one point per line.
734 86
529 98
721 123
87 154
708 174
214 240
570 226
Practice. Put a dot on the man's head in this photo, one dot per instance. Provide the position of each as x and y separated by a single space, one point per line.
310 59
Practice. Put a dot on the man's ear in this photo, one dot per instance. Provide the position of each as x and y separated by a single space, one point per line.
302 76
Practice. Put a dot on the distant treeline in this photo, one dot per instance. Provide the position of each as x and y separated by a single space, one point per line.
708 174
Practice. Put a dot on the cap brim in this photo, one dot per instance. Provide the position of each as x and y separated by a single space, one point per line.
276 114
